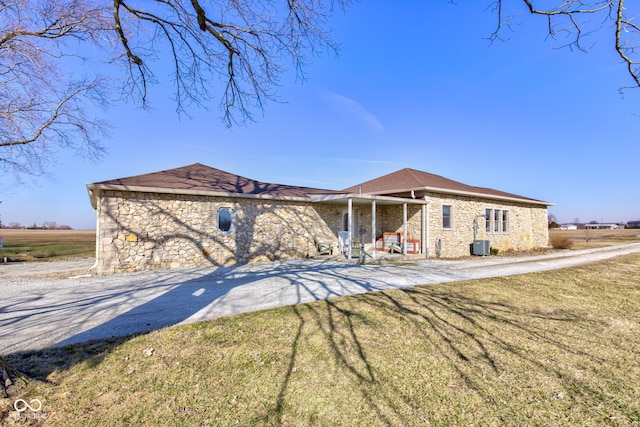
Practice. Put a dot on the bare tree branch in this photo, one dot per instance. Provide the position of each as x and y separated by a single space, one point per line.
571 17
241 43
230 51
41 106
623 46
233 51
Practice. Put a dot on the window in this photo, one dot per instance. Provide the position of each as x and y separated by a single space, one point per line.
225 219
496 221
487 217
505 221
446 216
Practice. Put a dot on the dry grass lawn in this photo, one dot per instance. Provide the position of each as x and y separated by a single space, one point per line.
47 245
585 239
554 348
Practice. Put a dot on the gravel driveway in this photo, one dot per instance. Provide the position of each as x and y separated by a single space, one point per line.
57 303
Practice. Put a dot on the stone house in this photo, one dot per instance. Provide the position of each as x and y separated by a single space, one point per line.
197 215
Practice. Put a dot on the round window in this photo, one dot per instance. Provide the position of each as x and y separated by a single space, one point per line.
224 219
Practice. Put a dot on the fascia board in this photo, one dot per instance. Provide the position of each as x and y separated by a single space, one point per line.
94 193
466 193
366 197
114 187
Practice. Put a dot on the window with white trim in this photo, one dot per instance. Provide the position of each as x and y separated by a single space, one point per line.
496 221
446 216
505 221
487 216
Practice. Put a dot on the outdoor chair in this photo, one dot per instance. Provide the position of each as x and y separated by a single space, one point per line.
323 248
395 247
355 247
343 242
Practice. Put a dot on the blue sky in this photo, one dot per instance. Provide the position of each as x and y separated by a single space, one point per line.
416 85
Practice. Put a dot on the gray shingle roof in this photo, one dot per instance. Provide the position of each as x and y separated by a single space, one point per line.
203 178
407 179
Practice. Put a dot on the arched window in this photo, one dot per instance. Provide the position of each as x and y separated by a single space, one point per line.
225 219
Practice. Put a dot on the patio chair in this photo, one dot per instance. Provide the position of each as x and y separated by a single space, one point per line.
395 247
343 242
355 247
323 248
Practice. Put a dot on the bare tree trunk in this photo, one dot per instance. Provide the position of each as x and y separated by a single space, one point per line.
10 379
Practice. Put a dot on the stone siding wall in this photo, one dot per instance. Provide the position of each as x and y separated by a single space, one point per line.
142 231
390 219
527 225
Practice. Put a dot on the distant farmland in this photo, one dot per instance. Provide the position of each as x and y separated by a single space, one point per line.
585 239
47 245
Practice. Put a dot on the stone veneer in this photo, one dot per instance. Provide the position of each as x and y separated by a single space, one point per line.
143 231
528 227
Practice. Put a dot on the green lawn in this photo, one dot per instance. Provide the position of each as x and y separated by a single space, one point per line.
556 348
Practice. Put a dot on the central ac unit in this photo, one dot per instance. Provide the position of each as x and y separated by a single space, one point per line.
481 247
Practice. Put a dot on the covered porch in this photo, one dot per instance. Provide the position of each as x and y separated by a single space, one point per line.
362 224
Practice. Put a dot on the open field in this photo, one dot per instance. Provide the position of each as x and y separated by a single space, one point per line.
553 348
585 239
47 245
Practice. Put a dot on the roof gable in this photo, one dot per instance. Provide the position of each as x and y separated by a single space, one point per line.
203 178
406 180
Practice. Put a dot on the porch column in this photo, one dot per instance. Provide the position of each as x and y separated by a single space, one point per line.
349 227
428 231
373 229
98 211
404 221
423 235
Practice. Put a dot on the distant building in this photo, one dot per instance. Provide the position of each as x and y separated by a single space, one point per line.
633 224
568 227
602 226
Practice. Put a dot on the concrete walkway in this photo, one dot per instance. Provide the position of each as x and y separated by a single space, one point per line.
38 312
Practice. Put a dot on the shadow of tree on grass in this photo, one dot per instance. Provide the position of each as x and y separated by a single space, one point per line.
499 354
416 355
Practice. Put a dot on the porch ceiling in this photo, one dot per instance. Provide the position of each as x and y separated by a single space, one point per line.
364 199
